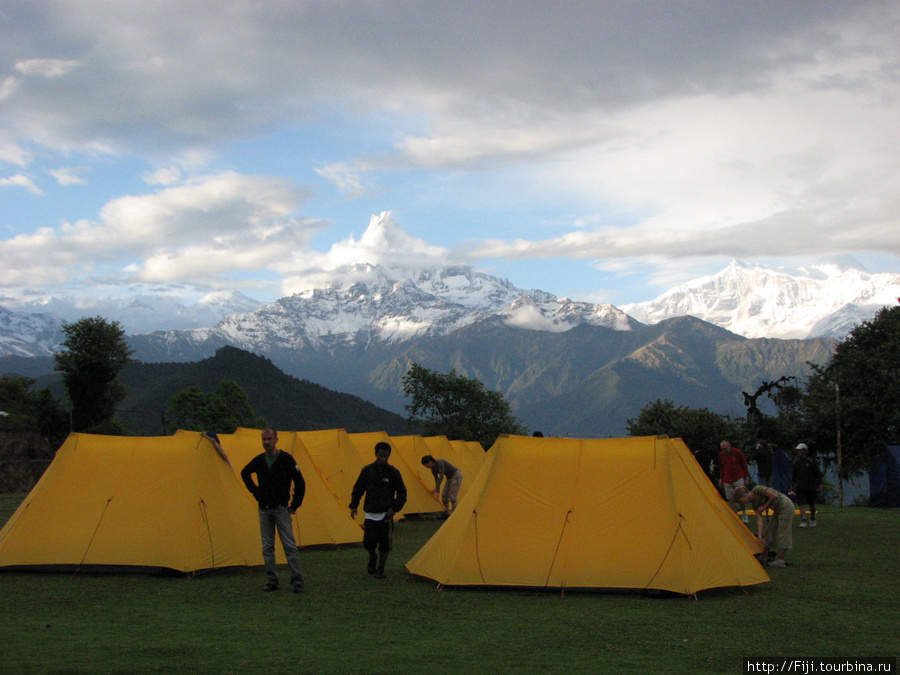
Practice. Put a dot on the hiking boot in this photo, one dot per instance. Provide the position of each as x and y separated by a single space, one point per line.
812 523
803 523
776 563
379 574
370 568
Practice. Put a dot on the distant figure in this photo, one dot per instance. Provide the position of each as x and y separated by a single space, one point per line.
385 496
806 483
772 531
275 470
733 473
440 469
213 438
763 456
707 459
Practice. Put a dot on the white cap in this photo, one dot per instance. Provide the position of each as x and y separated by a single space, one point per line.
801 446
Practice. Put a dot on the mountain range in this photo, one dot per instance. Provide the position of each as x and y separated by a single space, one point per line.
823 300
567 367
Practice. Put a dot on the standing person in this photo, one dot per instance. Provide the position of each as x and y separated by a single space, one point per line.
385 496
806 481
763 458
773 532
733 473
440 469
275 471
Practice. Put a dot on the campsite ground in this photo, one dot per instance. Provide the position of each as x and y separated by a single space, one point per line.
838 597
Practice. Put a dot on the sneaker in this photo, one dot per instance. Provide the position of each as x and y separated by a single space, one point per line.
270 587
812 523
803 523
379 574
776 563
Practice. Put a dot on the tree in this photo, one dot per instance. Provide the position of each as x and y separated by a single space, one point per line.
222 410
457 407
29 410
701 429
95 353
858 389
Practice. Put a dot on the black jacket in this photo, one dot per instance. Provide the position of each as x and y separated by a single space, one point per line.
383 486
273 486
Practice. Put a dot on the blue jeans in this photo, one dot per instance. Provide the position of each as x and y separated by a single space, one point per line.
280 518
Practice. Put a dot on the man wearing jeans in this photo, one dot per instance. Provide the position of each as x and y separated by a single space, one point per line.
275 471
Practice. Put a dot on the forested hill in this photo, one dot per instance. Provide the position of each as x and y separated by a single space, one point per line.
285 402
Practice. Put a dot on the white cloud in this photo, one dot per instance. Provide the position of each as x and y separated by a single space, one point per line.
211 225
23 181
163 176
67 176
47 68
383 243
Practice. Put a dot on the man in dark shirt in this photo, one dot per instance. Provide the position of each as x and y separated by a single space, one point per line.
763 457
385 496
806 483
275 471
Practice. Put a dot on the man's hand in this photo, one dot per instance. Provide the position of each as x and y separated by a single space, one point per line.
353 513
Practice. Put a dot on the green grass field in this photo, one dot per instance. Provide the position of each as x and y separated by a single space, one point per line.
838 597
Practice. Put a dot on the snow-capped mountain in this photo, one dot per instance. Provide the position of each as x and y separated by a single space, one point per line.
29 334
824 300
146 313
377 304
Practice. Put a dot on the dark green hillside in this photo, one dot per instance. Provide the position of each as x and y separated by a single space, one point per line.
282 400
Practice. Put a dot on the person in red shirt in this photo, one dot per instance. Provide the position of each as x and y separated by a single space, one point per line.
733 473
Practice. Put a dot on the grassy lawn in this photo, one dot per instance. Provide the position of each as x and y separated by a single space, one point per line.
837 597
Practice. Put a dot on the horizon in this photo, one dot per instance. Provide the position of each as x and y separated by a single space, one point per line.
603 152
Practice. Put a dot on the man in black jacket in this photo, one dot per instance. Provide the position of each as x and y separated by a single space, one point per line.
385 495
275 471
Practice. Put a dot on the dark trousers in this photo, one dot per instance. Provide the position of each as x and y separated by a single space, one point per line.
378 534
808 496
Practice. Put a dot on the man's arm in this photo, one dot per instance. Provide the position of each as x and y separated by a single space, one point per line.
299 490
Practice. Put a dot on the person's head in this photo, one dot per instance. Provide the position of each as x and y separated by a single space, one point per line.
741 495
382 452
538 434
270 440
802 449
725 445
428 460
760 446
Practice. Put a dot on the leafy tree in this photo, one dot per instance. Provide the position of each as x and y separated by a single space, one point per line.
701 429
28 410
859 388
457 407
95 352
784 428
222 410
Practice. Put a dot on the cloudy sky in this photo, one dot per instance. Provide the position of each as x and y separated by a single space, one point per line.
600 150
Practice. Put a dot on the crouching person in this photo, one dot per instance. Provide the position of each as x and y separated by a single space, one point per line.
774 532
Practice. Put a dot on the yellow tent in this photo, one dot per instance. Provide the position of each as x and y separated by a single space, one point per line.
155 503
419 497
322 519
337 459
635 513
